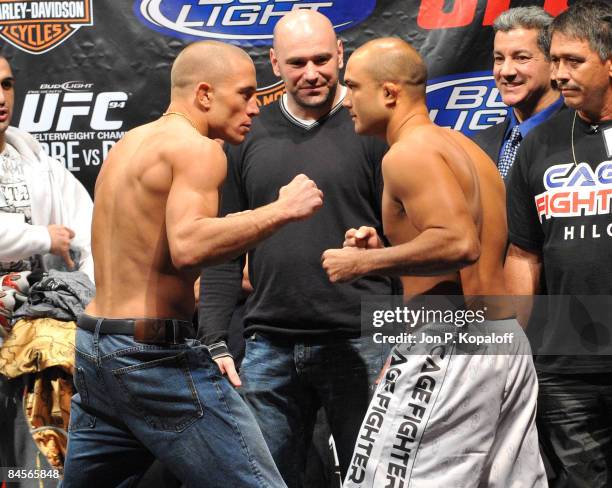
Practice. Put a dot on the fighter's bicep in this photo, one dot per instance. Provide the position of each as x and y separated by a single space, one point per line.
428 191
196 179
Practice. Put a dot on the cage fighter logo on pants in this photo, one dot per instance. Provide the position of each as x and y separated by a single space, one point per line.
453 414
39 26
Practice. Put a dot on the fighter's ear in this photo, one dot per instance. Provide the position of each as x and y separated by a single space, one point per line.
274 62
390 92
204 94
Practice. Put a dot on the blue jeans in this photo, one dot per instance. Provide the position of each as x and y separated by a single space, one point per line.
575 426
286 382
137 402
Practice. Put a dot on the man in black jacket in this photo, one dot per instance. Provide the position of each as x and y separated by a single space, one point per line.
522 74
303 348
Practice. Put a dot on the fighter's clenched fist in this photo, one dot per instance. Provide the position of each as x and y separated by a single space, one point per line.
342 265
301 197
364 237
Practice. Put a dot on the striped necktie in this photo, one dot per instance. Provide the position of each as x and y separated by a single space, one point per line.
509 151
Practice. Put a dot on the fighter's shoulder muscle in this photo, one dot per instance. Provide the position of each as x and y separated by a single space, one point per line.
412 151
196 157
406 165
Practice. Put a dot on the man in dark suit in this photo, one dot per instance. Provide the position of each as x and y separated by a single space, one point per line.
522 74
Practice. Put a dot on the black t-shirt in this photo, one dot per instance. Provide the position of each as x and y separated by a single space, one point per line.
562 209
292 294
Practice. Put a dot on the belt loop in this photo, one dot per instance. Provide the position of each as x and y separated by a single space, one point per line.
174 334
96 340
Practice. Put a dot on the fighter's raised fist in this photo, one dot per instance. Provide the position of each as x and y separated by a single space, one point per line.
301 197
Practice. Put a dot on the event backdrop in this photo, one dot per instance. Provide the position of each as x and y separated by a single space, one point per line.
89 70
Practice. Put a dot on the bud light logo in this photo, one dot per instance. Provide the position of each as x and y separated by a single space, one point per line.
467 102
243 22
